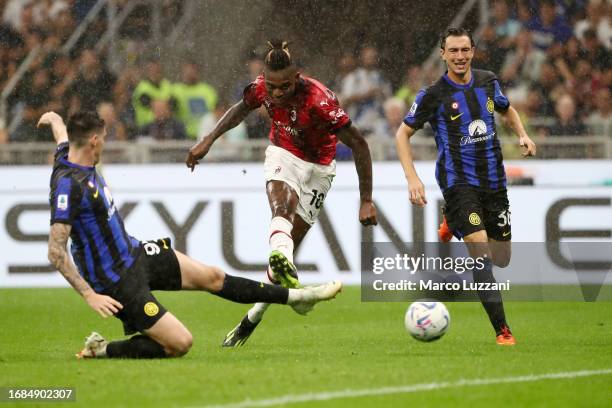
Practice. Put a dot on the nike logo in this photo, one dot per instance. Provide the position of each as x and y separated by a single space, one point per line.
96 193
505 234
453 117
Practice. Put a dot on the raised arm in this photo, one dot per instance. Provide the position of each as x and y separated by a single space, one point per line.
58 256
513 120
229 120
57 126
351 137
404 152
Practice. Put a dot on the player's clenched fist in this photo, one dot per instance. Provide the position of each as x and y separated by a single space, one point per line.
367 214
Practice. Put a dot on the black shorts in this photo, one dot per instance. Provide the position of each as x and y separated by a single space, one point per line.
469 209
156 268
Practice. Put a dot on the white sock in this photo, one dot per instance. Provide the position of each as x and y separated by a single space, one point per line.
255 314
280 237
294 296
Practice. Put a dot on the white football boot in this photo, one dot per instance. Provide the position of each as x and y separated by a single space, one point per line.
95 347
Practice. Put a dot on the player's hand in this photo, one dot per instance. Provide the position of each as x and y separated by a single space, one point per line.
367 213
417 192
49 118
104 305
529 148
198 151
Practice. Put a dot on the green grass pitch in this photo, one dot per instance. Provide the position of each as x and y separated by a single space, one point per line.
342 345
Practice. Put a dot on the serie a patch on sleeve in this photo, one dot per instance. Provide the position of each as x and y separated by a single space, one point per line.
62 202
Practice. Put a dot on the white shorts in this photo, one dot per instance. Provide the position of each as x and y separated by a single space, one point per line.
310 181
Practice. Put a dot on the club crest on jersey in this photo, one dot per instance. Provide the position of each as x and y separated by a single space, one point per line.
277 170
455 105
62 202
490 105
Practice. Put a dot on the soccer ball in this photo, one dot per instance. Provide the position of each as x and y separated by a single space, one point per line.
427 321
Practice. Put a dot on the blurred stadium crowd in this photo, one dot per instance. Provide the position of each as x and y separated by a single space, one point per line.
551 56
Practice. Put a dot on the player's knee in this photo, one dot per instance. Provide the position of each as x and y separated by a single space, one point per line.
217 278
501 261
180 345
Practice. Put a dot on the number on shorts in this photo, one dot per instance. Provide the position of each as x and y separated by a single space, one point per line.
151 248
317 199
505 218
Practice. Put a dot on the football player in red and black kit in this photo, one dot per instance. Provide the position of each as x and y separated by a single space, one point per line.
299 167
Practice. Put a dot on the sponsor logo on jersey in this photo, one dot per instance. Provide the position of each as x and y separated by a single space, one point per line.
109 200
477 133
292 131
477 128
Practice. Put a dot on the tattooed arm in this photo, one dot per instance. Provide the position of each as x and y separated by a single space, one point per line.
58 256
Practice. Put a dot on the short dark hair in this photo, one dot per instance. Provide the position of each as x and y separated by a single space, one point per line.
455 32
278 56
81 124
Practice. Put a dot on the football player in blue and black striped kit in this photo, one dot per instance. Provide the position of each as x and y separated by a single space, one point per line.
114 272
460 108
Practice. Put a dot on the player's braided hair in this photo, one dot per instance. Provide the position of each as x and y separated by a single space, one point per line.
278 56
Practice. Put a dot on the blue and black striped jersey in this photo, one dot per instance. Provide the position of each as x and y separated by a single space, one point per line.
101 248
463 121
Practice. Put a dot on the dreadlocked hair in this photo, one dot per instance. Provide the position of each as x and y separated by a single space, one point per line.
278 56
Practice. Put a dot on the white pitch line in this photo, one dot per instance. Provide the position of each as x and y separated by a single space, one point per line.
405 389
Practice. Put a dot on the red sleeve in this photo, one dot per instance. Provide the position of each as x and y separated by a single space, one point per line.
328 110
254 93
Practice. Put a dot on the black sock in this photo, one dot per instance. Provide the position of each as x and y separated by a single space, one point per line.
139 346
242 290
491 299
